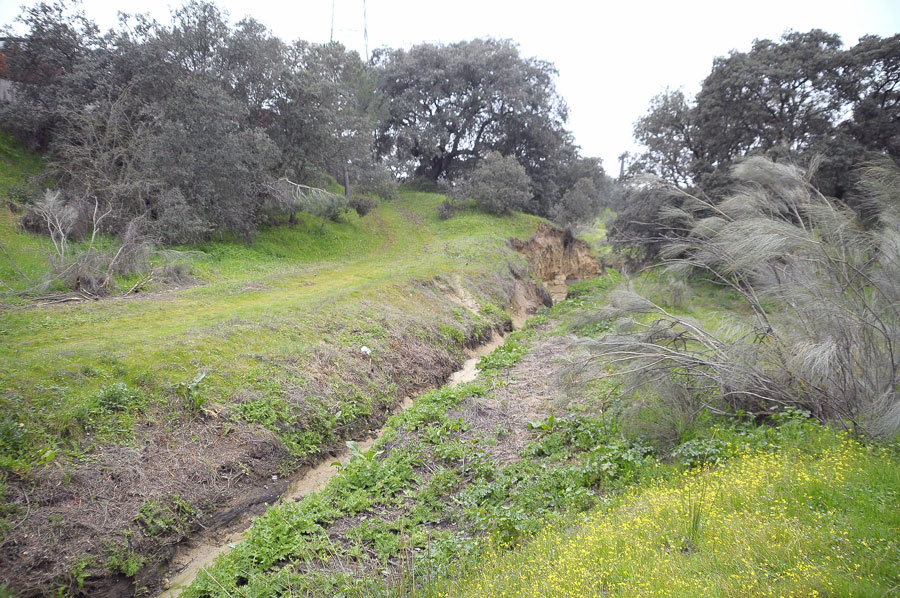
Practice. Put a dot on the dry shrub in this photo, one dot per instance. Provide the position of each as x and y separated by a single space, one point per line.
88 267
824 291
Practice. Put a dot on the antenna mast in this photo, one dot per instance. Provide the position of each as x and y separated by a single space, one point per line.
331 36
365 30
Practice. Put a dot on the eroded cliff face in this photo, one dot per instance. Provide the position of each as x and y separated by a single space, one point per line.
558 258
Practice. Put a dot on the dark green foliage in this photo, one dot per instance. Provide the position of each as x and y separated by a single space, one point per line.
116 397
182 126
361 204
786 100
445 210
644 225
451 104
13 437
581 203
376 181
498 186
167 517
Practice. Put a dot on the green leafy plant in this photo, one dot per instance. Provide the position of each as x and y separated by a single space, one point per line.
116 397
161 518
193 393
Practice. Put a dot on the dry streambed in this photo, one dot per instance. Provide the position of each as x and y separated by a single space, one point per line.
529 389
483 459
558 259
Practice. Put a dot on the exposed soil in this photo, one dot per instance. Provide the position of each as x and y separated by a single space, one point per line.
199 552
497 423
469 369
87 510
192 556
530 391
558 258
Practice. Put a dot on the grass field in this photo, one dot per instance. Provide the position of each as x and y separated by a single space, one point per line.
813 518
537 479
265 334
275 297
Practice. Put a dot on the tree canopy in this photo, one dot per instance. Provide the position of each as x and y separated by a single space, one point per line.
452 104
804 100
791 99
186 125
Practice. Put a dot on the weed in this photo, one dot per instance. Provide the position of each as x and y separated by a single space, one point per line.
170 517
116 397
452 333
503 357
121 559
80 571
192 393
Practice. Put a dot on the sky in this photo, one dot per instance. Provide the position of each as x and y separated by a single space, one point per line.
612 58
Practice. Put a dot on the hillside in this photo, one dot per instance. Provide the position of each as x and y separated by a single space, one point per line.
131 421
541 479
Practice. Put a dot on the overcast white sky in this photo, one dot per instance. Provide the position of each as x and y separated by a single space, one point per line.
612 57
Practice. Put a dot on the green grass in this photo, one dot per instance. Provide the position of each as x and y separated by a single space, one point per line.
26 250
279 299
595 233
820 520
735 509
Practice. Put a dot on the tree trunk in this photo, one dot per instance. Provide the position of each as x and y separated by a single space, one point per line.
346 181
439 165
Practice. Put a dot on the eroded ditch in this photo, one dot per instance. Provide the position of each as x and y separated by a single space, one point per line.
194 556
555 257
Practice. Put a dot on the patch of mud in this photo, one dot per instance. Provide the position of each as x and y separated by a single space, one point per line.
558 259
469 370
84 508
196 555
461 296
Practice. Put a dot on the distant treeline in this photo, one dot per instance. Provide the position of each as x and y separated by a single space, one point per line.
804 100
189 126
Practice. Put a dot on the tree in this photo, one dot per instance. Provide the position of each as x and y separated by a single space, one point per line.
870 84
498 186
644 225
780 96
672 137
45 64
203 149
449 105
323 118
579 204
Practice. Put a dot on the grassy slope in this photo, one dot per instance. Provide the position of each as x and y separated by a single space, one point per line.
16 165
815 520
793 510
276 298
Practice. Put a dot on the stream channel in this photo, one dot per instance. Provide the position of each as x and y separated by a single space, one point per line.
193 556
